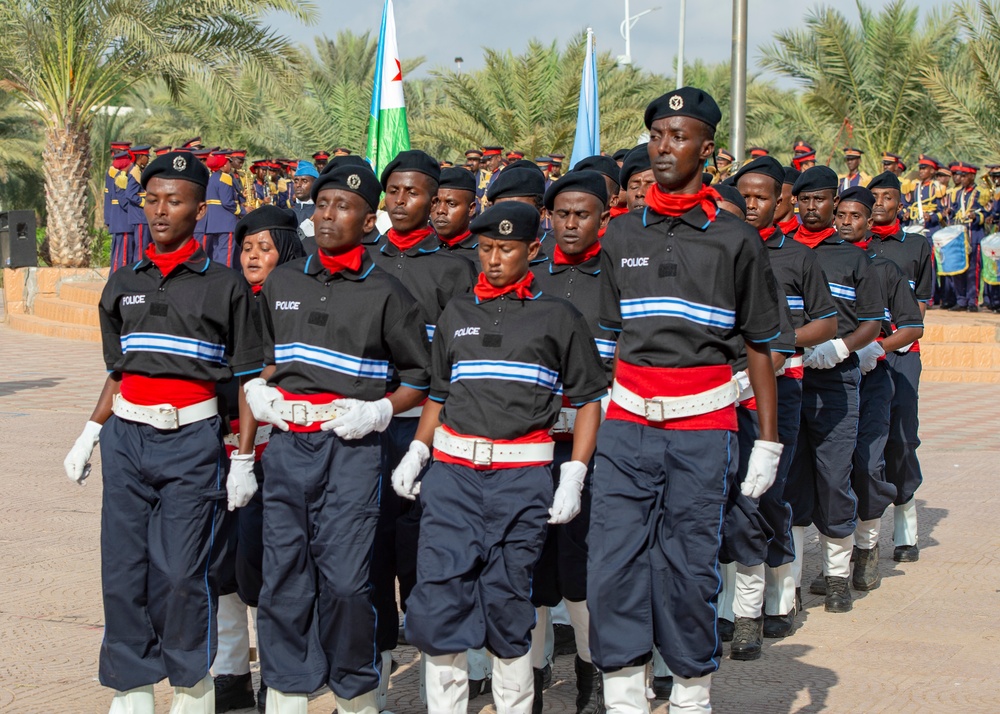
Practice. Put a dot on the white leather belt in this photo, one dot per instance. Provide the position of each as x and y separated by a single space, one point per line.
305 413
413 413
483 452
262 436
164 416
657 409
794 361
566 421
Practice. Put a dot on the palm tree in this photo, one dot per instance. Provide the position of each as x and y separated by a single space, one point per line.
869 74
20 156
66 59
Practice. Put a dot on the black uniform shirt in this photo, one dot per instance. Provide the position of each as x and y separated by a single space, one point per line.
901 306
853 283
197 323
502 366
580 284
683 291
468 249
338 333
799 275
913 255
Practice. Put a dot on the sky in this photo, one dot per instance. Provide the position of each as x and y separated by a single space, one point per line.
441 30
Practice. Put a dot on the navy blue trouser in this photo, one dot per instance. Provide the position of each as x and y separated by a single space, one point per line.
161 545
774 503
316 618
966 285
242 569
655 530
902 468
481 534
221 248
873 492
745 532
819 481
561 571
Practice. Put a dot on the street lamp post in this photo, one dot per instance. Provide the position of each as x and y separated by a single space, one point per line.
680 45
738 104
626 31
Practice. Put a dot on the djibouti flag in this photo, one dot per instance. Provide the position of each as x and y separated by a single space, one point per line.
388 133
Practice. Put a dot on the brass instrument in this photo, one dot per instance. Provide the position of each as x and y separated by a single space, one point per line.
250 199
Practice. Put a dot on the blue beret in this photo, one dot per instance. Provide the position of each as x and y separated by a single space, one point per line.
305 168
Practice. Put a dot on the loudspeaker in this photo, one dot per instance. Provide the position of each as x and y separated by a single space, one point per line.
18 248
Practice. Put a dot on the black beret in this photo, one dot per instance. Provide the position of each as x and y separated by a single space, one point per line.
731 193
349 160
283 224
176 165
510 220
859 194
523 164
620 155
791 175
578 181
515 182
601 164
412 160
684 102
636 161
763 165
356 179
457 179
886 179
816 178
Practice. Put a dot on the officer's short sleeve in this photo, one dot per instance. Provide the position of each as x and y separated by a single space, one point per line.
244 350
582 372
903 302
923 284
440 357
816 289
610 313
869 302
755 290
111 325
405 338
785 341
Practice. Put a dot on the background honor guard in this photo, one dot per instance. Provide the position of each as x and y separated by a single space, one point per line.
320 159
237 158
116 213
854 176
763 183
902 468
453 210
819 483
223 212
303 206
786 218
267 239
342 151
174 325
492 163
757 151
803 156
525 183
667 287
489 494
925 208
609 169
893 163
333 324
578 206
724 162
134 201
636 177
903 324
109 181
555 172
969 206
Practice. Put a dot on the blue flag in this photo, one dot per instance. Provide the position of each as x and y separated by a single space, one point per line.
588 116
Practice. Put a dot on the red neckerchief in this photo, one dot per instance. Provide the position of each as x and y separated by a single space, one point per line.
789 225
766 233
619 210
452 242
522 288
560 258
810 239
886 231
405 241
255 289
677 204
863 244
166 262
350 259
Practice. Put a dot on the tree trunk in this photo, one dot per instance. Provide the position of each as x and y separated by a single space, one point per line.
66 168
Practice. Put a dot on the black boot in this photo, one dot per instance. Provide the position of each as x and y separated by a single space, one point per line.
589 688
838 595
747 639
725 628
479 686
565 640
536 705
662 686
818 585
233 691
778 626
866 576
906 554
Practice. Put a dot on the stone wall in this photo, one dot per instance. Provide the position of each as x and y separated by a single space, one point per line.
22 286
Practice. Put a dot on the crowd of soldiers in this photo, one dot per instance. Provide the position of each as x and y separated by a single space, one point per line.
536 412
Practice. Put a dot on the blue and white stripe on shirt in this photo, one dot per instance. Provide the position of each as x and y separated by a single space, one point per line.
431 329
508 371
606 348
173 345
844 292
795 302
676 307
329 359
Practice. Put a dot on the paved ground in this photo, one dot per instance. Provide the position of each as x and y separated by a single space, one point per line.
925 641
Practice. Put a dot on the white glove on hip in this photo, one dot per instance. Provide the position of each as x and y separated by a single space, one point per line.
762 469
904 349
743 383
566 502
77 461
261 399
241 484
360 419
827 355
868 356
404 478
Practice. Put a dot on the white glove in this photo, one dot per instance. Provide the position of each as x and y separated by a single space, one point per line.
261 399
241 484
868 356
743 383
827 355
404 478
360 419
904 349
77 460
566 502
307 227
762 469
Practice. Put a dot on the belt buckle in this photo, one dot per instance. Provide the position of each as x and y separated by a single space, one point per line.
655 410
172 415
300 413
562 424
487 446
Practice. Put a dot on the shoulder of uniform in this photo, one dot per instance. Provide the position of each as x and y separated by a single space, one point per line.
121 180
135 172
225 178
